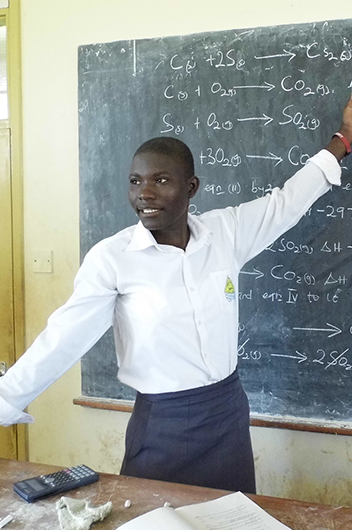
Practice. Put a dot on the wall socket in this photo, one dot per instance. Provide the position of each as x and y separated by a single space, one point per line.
42 261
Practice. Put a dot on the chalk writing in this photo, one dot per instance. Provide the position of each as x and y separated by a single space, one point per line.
303 122
227 59
218 156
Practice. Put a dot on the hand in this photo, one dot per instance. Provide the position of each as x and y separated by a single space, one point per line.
336 146
346 125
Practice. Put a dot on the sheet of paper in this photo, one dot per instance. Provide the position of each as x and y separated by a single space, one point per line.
159 519
231 512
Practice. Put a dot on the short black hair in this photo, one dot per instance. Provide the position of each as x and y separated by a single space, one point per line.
172 147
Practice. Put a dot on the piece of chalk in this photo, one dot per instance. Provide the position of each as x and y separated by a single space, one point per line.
167 504
6 520
127 503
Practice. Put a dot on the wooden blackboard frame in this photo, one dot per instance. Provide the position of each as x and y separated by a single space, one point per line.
293 424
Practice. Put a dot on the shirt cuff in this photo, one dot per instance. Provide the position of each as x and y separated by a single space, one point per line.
329 166
10 415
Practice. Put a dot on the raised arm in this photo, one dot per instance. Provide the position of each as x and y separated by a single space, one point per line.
262 221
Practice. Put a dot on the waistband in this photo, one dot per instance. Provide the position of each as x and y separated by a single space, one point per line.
201 393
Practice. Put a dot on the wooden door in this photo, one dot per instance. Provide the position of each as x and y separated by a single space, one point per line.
8 435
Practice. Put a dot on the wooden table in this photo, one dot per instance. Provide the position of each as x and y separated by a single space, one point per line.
146 495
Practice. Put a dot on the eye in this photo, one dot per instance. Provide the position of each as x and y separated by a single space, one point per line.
134 181
162 180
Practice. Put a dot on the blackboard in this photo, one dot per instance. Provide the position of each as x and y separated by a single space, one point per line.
253 105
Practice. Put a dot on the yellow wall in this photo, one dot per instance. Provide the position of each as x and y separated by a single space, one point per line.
290 464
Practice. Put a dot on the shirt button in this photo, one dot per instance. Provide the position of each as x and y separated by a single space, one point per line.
192 289
199 322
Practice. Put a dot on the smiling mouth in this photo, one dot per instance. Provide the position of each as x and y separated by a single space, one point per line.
149 210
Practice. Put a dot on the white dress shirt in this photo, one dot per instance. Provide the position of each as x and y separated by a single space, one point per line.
174 312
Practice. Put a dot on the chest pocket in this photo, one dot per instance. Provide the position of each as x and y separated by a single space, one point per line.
225 289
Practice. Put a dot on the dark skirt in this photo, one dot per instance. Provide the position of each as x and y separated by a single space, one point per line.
198 436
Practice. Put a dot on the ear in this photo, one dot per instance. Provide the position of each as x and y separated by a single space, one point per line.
193 185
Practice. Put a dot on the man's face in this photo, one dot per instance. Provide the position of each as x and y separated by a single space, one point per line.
159 192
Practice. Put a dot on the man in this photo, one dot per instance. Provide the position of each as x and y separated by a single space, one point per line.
169 287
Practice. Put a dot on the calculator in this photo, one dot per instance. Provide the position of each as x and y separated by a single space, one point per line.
35 488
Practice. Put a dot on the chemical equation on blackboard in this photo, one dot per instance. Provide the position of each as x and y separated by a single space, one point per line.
323 358
183 69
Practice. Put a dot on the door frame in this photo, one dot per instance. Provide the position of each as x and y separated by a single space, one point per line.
12 15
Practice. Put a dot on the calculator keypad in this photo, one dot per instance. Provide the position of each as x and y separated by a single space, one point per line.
68 475
69 478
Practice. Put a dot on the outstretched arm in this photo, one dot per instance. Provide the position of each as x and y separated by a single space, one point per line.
337 146
261 222
72 330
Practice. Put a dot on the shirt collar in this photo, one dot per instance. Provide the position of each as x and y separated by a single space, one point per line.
143 238
200 234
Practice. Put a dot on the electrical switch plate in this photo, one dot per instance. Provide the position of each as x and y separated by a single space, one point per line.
43 261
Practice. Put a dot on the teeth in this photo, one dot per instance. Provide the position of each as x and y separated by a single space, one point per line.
149 210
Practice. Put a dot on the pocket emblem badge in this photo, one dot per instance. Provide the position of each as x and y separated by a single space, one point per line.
229 290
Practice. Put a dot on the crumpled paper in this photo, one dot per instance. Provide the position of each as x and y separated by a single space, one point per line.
78 514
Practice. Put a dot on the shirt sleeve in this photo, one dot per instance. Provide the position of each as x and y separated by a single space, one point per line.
260 222
71 331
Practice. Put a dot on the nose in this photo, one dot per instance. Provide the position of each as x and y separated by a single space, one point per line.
146 192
